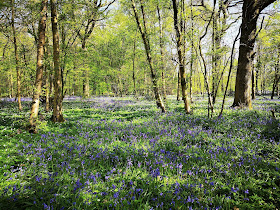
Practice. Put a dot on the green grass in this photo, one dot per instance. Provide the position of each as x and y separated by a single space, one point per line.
119 153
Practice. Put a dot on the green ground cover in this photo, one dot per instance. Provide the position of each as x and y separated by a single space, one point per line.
115 153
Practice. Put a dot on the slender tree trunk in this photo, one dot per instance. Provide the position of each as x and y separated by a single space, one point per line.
39 68
133 67
253 83
47 107
276 78
143 32
11 86
229 73
86 93
257 71
263 80
16 57
250 14
178 86
86 72
192 52
181 58
48 75
58 95
214 58
161 54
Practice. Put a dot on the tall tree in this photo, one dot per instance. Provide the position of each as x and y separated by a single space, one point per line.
16 57
277 75
161 52
181 57
143 31
250 13
94 11
39 67
58 95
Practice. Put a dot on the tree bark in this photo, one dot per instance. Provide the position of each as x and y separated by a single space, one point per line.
133 67
58 95
257 68
253 83
229 73
277 76
11 86
145 39
250 13
178 86
48 73
39 68
161 54
16 57
181 58
192 52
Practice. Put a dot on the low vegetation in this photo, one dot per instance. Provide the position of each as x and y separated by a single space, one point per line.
114 153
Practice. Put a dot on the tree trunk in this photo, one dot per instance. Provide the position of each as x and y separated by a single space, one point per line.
161 54
11 86
58 95
39 68
250 14
48 76
145 39
192 52
133 67
86 83
178 86
229 73
253 83
277 77
263 80
86 72
47 107
16 57
181 59
219 30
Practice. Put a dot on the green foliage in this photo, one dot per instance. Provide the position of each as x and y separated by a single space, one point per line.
122 153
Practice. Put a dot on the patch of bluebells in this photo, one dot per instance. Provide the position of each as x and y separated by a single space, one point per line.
162 161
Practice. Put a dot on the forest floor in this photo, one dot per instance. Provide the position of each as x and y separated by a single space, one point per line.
123 153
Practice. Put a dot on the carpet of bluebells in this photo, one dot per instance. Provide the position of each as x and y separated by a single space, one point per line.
123 153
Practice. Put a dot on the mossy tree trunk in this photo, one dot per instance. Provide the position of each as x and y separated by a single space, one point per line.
39 67
58 95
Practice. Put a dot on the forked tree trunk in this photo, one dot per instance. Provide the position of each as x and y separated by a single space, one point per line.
145 39
250 13
58 95
39 68
16 57
181 58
